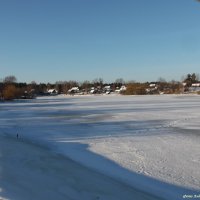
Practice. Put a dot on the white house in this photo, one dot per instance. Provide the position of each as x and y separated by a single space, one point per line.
152 88
73 90
52 91
107 87
152 85
122 88
195 87
195 84
92 90
184 84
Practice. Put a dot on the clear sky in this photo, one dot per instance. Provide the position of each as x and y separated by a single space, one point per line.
57 40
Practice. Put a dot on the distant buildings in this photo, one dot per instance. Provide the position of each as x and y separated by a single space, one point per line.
52 92
152 88
106 89
73 90
195 87
121 89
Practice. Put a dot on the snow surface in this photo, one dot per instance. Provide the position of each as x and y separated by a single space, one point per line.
124 147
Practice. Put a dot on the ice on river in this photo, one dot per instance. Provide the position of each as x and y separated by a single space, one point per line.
149 145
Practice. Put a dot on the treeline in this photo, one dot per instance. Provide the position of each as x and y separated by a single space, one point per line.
11 89
157 88
162 86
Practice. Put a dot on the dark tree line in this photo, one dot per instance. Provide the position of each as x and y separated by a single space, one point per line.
11 89
190 79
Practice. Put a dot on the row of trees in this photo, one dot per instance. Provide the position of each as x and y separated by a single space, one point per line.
162 86
190 79
11 89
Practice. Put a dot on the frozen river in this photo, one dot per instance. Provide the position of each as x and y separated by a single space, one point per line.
148 144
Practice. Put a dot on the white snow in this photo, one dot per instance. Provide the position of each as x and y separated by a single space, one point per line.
129 145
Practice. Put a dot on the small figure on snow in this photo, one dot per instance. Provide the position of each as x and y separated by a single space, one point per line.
17 136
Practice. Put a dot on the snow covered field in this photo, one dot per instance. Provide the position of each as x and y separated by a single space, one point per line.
124 147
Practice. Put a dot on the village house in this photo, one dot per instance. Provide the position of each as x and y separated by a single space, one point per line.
195 87
152 88
73 90
52 92
107 89
121 89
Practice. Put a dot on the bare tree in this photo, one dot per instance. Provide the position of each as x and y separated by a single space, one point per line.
119 82
98 82
86 85
161 80
10 79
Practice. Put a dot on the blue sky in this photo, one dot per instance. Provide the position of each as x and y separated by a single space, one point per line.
57 40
